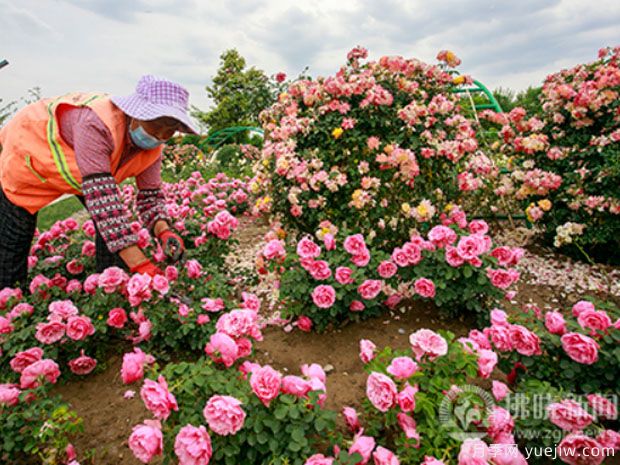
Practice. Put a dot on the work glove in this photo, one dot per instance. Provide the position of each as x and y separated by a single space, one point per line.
172 245
146 267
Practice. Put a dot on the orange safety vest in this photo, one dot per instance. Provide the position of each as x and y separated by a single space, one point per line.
36 164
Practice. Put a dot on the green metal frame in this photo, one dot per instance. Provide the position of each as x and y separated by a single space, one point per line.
478 87
218 138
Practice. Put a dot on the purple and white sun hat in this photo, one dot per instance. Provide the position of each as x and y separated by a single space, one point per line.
154 98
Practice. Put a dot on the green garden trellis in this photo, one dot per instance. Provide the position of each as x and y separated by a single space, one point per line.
218 138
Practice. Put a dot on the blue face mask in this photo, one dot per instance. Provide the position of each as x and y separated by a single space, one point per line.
143 139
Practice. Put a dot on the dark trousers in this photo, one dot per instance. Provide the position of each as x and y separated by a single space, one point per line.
17 228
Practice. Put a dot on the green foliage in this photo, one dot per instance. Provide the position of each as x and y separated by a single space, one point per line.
238 93
40 427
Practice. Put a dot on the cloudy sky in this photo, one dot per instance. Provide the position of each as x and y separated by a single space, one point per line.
106 45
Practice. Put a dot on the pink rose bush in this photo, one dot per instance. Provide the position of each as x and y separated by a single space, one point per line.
393 182
250 411
458 270
571 347
559 153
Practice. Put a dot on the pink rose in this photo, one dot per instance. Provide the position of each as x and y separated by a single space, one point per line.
91 283
367 350
19 310
274 249
79 328
238 323
132 369
381 391
357 306
427 342
363 445
504 256
580 348
500 336
73 286
361 260
319 459
594 320
343 275
265 383
304 324
408 425
603 407
161 284
63 309
224 415
452 257
146 440
324 296
502 279
355 244
442 236
313 371
554 322
569 415
402 367
400 257
295 386
194 269
88 249
48 333
500 422
480 338
222 349
500 390
350 418
413 252
478 227
157 398
387 269
524 341
306 248
23 359
406 398
212 305
111 278
474 452
428 460
329 241
424 287
250 301
487 359
581 306
9 394
609 438
117 318
32 374
171 273
383 456
469 247
579 449
498 317
369 289
319 270
193 446
82 365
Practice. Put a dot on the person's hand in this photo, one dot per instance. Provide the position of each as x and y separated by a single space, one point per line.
146 267
171 244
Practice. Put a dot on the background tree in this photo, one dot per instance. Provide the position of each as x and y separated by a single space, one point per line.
238 93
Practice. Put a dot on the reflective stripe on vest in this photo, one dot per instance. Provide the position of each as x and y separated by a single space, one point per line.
52 138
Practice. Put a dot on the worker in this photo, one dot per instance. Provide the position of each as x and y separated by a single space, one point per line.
86 144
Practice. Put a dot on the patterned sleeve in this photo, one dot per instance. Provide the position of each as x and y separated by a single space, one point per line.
103 201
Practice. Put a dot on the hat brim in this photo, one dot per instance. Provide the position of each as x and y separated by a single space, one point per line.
136 107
